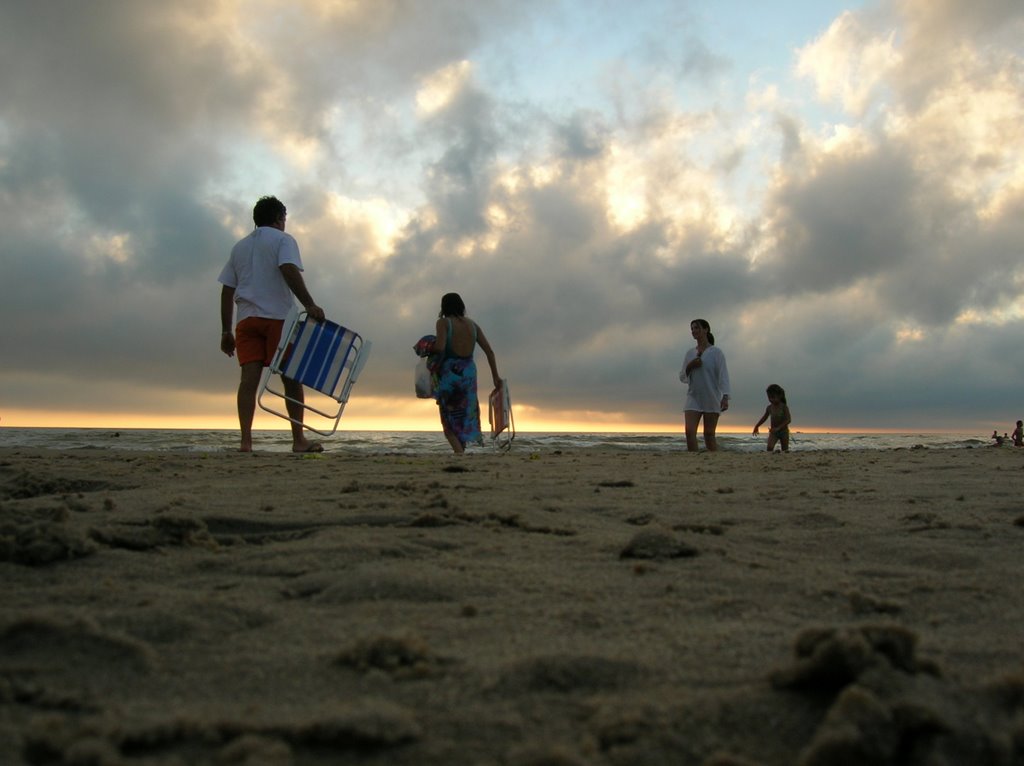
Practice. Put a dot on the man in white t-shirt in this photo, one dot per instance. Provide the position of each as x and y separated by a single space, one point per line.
260 277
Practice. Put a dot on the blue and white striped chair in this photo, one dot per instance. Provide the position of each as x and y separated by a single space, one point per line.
322 356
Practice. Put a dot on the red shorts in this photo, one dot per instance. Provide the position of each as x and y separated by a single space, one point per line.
256 339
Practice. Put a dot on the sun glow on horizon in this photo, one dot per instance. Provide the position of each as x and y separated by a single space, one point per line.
428 421
424 423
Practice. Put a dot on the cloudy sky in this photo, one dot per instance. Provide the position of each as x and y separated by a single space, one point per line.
837 186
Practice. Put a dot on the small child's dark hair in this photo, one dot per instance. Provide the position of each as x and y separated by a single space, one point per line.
776 390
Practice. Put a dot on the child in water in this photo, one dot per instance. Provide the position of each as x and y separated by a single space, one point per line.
778 411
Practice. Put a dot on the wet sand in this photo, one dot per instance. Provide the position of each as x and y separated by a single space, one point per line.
555 608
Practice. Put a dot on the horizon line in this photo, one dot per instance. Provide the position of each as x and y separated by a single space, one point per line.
648 431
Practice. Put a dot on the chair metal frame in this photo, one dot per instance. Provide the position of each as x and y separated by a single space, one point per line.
500 401
322 356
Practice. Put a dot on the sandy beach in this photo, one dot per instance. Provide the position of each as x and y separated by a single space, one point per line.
531 609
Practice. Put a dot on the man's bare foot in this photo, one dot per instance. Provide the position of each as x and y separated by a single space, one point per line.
307 446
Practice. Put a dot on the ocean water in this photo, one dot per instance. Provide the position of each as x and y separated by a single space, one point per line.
427 442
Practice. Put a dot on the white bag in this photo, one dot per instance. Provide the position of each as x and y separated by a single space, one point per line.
424 383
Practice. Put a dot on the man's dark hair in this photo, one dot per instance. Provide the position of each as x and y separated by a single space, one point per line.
268 211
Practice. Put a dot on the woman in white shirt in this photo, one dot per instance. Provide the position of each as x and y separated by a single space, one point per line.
707 378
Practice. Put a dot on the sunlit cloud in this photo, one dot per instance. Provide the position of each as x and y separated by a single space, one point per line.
971 136
541 174
626 188
382 219
850 62
998 317
334 10
114 247
909 335
439 88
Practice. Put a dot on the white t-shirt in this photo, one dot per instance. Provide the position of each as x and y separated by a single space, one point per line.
254 270
708 383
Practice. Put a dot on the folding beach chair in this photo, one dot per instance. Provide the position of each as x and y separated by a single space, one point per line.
499 413
322 356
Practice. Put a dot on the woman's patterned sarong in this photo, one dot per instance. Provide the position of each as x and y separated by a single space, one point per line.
457 399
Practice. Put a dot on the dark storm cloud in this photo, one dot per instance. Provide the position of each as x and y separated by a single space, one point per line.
583 136
852 219
967 264
458 184
700 61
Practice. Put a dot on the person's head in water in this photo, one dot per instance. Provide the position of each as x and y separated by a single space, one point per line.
704 325
452 306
